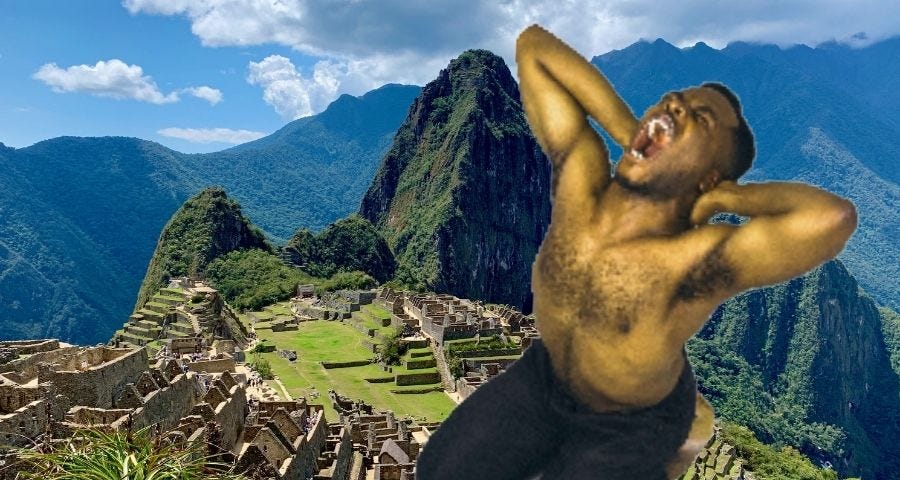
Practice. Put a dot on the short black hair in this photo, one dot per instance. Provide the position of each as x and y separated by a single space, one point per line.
744 148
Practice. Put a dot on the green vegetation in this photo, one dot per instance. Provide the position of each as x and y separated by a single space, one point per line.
350 244
890 327
767 359
392 349
261 365
736 391
318 341
206 227
443 192
346 280
769 463
96 455
374 318
250 279
84 214
455 350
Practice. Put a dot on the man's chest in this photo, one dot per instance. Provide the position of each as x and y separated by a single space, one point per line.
597 286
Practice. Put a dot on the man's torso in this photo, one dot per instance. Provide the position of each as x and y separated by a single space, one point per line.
614 317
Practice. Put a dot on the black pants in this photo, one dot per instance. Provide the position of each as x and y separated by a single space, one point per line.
523 423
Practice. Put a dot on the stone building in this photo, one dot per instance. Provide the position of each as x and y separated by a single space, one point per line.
51 390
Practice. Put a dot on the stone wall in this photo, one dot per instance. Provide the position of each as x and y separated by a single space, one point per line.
717 461
218 365
99 385
169 404
20 427
343 456
27 347
14 397
86 416
26 368
418 378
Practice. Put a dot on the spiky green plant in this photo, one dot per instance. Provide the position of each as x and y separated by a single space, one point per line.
97 455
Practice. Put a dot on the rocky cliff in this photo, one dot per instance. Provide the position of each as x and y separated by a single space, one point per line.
813 349
206 227
462 196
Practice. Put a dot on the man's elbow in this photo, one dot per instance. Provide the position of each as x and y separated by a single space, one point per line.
843 220
529 39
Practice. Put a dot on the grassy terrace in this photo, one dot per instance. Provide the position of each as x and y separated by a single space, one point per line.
371 316
320 340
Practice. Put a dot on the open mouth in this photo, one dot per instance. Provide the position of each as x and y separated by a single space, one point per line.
653 136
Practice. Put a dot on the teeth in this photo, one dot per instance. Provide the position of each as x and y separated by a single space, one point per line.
663 122
635 153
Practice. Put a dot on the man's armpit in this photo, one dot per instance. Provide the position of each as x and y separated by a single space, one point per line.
711 275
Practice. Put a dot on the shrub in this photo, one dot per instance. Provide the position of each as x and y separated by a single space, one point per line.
251 279
262 366
393 349
346 280
92 454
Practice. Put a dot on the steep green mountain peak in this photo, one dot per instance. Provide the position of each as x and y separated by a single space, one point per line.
462 196
206 227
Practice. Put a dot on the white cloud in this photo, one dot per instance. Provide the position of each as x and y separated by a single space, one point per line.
369 43
115 79
211 95
292 94
210 135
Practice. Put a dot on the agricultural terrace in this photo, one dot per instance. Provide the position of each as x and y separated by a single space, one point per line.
336 342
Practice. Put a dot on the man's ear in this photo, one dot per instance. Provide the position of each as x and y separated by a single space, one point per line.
710 181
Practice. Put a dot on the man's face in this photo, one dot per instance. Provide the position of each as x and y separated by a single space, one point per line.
679 142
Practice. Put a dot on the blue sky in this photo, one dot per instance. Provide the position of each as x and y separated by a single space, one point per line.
182 72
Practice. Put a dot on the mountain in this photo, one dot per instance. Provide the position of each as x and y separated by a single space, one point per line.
315 169
75 219
80 216
462 196
820 115
349 244
806 363
208 226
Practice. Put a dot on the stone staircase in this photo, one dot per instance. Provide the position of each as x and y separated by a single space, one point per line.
718 461
444 369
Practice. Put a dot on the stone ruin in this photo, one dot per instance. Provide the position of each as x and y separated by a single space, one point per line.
386 446
717 461
467 384
48 390
185 311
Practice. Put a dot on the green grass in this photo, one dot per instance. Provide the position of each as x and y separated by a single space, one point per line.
376 311
321 340
282 308
263 315
371 319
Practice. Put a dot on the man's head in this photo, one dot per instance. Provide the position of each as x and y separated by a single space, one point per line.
687 143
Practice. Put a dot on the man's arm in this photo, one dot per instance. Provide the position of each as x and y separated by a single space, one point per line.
559 89
793 228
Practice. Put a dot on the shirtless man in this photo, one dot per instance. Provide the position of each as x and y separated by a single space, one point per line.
629 270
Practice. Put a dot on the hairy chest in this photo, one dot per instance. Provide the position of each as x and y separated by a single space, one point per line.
602 289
